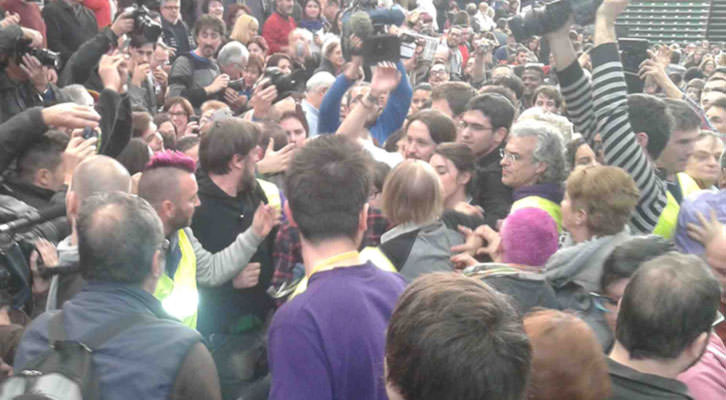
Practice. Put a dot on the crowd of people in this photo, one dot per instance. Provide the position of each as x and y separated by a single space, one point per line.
256 205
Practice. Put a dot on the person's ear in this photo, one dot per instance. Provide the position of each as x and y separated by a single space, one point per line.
363 218
237 162
500 135
463 178
43 178
642 139
541 168
167 209
71 204
288 214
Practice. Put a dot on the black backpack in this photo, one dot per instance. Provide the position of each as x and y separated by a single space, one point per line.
65 370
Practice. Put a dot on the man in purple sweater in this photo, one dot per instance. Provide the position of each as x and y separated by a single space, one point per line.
328 342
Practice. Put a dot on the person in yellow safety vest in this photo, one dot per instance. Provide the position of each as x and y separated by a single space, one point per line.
672 161
666 226
169 185
533 165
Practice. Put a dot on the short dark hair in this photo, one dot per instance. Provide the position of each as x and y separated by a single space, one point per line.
135 155
628 255
649 114
186 105
207 21
44 153
684 118
140 122
140 40
187 142
512 82
224 140
118 235
693 73
498 89
456 94
454 337
494 106
327 184
423 86
668 303
441 127
549 91
463 159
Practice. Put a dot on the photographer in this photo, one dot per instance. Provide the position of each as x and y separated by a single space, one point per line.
81 66
382 118
196 75
23 79
69 24
147 85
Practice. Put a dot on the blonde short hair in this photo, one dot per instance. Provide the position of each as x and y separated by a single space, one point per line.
412 193
607 194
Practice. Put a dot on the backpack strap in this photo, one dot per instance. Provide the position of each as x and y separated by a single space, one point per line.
57 332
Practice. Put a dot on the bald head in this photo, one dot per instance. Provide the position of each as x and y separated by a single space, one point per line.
160 184
99 174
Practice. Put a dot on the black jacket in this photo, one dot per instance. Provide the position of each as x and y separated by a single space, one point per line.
82 66
216 223
65 30
16 97
491 194
19 132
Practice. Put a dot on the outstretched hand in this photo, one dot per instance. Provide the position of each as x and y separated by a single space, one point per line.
385 78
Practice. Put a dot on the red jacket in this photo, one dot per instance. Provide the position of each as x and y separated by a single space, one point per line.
102 10
276 30
29 13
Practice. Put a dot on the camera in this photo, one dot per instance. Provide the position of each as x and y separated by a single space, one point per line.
143 23
237 84
286 84
550 17
45 56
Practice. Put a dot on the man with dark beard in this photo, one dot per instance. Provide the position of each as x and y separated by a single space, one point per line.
229 195
196 75
169 185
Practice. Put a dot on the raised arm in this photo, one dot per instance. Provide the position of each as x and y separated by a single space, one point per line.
613 121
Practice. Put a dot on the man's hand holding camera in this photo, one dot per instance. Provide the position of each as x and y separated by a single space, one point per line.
218 84
123 24
37 73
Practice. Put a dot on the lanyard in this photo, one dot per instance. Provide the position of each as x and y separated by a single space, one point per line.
350 258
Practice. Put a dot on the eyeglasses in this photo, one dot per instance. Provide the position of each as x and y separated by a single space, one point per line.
513 157
600 301
474 126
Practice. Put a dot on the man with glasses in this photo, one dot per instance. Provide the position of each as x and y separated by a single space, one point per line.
484 127
174 31
195 75
533 165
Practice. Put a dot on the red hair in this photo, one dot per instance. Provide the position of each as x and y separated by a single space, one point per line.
172 159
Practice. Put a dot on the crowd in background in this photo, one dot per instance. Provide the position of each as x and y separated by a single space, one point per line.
256 205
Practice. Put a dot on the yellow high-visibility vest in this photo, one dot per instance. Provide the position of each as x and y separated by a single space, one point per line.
179 296
272 192
549 206
372 254
668 219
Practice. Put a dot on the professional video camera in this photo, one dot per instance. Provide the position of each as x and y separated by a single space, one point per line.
143 23
45 56
550 17
17 239
368 23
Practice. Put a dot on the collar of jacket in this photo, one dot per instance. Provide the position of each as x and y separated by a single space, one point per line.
550 191
209 188
137 297
14 185
491 159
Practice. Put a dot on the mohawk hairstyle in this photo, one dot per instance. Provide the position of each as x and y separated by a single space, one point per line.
173 159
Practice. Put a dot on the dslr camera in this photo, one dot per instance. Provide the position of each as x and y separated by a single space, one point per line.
550 17
45 56
143 23
286 84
